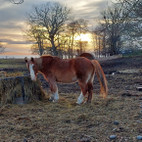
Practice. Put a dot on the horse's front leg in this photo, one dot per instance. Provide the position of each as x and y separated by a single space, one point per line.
54 90
80 98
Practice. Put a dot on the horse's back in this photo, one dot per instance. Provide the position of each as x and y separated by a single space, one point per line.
68 70
63 70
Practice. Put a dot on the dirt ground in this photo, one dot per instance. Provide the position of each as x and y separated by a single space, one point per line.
120 114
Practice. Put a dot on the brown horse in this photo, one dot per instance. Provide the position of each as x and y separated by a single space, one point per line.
78 69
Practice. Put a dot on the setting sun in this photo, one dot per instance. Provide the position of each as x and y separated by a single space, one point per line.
83 37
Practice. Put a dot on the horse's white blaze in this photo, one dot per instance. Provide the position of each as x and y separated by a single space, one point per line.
80 99
32 73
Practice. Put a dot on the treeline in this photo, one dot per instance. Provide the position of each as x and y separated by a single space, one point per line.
53 30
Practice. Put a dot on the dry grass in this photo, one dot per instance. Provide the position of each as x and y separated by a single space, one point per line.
12 64
66 121
12 67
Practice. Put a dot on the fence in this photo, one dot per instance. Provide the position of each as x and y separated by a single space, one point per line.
109 57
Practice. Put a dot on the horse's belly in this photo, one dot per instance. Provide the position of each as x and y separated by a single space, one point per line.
67 78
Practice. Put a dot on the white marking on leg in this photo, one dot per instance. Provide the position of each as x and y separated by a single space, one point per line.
54 97
32 73
80 99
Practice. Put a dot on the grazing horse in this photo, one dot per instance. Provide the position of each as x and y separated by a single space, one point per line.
78 69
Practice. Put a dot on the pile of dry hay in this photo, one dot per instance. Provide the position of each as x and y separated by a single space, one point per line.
11 88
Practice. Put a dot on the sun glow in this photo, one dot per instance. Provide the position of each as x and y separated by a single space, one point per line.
83 37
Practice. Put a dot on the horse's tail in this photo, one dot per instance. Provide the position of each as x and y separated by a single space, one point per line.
101 77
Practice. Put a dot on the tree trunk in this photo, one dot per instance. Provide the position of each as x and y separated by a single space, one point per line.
40 46
54 48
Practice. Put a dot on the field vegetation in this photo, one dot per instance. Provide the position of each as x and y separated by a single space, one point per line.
40 120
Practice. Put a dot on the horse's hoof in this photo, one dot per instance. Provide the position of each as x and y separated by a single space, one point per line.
54 101
51 99
87 102
78 103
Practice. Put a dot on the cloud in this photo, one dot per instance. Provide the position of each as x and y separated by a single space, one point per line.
13 14
97 4
91 9
10 41
13 17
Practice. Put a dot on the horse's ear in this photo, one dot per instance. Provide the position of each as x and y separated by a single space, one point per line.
26 59
32 59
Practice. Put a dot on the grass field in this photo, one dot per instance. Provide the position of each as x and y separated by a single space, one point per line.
15 63
120 114
13 67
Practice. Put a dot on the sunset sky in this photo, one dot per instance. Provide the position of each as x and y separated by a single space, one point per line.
13 21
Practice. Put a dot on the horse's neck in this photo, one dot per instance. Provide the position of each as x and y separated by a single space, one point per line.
39 63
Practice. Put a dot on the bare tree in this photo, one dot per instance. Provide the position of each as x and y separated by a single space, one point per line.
2 48
99 41
119 26
51 16
35 33
81 26
76 28
133 10
72 29
113 25
112 28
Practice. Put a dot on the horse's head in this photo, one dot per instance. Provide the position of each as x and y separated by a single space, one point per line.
32 67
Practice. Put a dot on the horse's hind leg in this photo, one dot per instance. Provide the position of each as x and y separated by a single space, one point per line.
83 87
90 91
